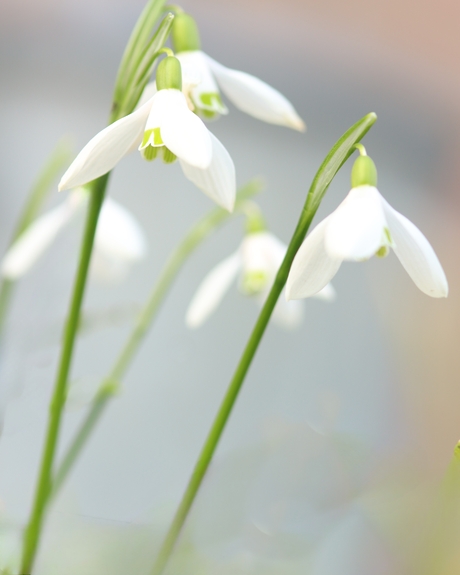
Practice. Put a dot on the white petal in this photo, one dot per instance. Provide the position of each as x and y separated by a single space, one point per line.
119 234
416 254
262 251
107 148
37 238
218 181
211 290
255 97
312 268
149 91
182 131
107 269
356 228
198 79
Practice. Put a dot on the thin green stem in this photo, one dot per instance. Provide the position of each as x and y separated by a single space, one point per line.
197 234
37 196
33 529
328 169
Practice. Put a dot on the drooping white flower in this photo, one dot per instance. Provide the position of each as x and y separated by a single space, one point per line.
362 226
119 240
164 126
255 263
203 77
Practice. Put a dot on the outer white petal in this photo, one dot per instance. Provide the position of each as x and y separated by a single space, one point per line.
119 234
255 97
218 181
37 238
312 268
107 148
149 91
356 228
197 74
182 131
211 290
416 254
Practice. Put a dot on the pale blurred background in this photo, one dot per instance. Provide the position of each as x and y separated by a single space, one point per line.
363 396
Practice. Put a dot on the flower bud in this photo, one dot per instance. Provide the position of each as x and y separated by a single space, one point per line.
169 74
185 35
363 173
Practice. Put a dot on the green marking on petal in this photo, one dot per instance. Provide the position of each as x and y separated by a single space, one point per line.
382 252
149 153
212 100
168 156
157 140
146 139
209 114
388 237
253 282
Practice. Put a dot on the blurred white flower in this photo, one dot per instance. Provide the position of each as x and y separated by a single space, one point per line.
256 262
165 126
202 75
362 226
119 240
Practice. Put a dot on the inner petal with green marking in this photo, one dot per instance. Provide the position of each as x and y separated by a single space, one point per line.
151 137
153 147
253 282
209 104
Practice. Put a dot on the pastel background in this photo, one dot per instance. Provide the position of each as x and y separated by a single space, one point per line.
345 426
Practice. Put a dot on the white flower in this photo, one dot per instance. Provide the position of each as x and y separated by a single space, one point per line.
163 125
119 240
363 225
256 262
202 75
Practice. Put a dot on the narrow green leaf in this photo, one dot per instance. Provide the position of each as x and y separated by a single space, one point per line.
145 68
136 43
338 155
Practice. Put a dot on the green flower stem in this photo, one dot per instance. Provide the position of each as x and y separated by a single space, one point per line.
43 489
328 169
37 196
197 234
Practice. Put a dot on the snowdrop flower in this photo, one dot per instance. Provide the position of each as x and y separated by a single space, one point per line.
256 263
163 127
202 76
119 240
362 226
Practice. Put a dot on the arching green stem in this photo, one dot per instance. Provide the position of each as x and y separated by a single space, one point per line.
327 171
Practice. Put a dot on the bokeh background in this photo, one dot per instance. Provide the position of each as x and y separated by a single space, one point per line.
346 426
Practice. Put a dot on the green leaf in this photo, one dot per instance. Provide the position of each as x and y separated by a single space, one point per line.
145 68
137 42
